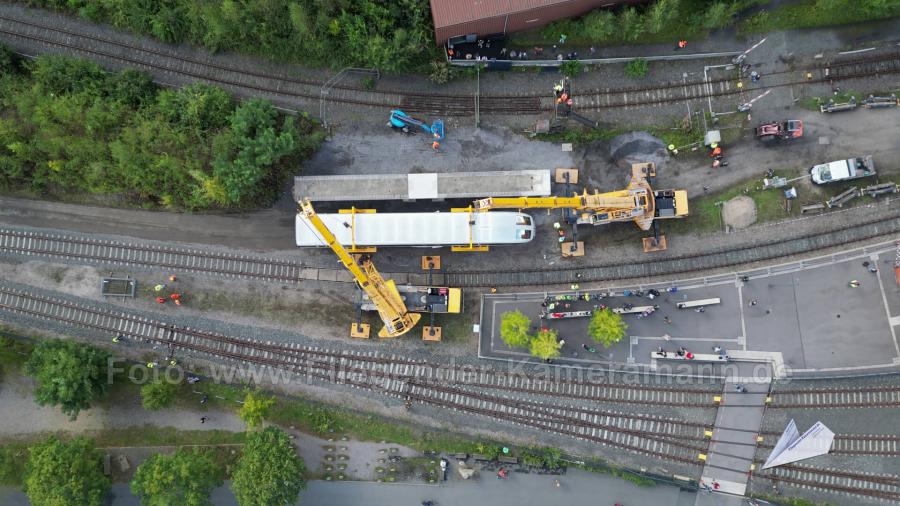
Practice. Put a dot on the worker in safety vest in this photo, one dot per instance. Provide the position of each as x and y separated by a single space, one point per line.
716 151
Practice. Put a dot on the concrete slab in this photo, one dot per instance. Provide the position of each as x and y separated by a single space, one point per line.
792 328
423 186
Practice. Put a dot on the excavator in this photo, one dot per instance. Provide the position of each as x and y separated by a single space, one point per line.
638 202
397 319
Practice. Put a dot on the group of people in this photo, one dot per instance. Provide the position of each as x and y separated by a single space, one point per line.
173 296
681 352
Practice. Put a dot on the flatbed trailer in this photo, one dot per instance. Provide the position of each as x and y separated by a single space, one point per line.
361 230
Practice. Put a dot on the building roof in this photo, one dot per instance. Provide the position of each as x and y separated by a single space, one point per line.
455 12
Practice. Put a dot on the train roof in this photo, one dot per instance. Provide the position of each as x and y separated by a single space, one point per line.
419 229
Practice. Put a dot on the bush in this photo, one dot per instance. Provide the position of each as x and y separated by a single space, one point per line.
571 68
256 408
637 68
440 72
158 395
606 327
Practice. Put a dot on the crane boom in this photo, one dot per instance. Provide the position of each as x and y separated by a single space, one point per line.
383 294
637 202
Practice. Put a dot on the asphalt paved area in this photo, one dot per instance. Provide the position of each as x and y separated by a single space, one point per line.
576 487
802 316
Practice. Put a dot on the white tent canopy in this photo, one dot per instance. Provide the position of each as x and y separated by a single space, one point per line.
792 447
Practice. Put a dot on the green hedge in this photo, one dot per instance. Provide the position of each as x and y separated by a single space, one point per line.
69 127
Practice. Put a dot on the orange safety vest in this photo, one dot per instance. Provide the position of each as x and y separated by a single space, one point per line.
716 151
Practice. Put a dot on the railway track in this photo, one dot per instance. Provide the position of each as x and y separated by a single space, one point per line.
83 248
668 439
882 397
292 89
647 434
879 486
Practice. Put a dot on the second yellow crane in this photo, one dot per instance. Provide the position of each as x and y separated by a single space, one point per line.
384 295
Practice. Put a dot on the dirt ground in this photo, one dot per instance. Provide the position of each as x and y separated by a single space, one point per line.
739 212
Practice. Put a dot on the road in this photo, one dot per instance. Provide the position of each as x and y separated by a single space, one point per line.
576 487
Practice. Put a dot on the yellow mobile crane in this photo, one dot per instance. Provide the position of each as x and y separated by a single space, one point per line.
638 202
383 294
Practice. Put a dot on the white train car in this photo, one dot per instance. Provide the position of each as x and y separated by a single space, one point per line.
419 229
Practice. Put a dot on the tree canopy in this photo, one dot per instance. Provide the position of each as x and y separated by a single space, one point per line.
185 478
391 36
65 474
269 472
68 126
545 344
606 327
256 408
158 394
515 329
69 374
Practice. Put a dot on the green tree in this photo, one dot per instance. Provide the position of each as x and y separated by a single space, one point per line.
571 68
269 472
718 15
600 25
515 329
65 474
658 17
257 144
158 394
637 68
185 478
606 327
545 345
631 24
256 408
68 374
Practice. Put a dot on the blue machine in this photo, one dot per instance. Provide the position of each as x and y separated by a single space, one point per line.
400 119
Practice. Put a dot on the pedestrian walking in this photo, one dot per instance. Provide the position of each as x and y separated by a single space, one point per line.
667 337
593 50
706 189
172 278
557 483
575 286
160 300
753 302
854 284
562 39
873 269
717 349
203 419
667 320
700 309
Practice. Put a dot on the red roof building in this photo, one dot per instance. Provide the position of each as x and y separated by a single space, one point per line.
459 18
